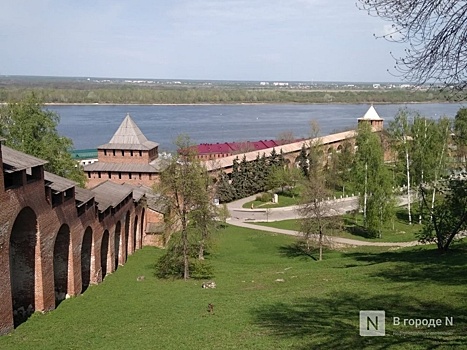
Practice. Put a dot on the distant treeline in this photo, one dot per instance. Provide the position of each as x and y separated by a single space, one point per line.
124 94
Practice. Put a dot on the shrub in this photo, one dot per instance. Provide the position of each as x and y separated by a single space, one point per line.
170 265
264 197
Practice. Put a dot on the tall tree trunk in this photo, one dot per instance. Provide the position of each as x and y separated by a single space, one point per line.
186 266
365 196
201 250
409 199
320 245
420 203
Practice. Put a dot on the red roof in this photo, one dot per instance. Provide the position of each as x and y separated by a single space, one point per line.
236 147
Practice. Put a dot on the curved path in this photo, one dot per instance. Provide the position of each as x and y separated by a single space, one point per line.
241 216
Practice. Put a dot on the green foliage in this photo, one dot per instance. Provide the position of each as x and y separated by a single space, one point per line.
303 161
223 214
185 184
171 264
29 128
129 94
264 197
283 177
449 216
372 179
224 190
460 130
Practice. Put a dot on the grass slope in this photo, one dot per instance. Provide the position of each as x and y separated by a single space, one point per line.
317 305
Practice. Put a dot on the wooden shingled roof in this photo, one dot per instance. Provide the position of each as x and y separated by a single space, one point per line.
371 114
156 166
129 137
16 161
109 194
58 183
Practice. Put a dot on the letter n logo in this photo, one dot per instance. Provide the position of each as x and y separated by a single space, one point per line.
372 323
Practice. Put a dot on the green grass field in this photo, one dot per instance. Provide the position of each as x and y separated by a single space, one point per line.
402 232
315 307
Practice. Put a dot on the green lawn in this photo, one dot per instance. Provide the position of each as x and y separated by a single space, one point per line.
284 201
315 307
402 232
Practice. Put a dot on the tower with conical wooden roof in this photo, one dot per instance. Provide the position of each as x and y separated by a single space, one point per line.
372 117
129 157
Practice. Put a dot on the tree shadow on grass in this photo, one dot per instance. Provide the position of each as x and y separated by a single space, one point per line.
418 264
332 322
403 216
356 230
296 249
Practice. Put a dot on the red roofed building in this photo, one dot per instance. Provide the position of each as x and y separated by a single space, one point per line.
207 151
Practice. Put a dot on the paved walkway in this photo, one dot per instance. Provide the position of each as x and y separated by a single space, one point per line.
241 217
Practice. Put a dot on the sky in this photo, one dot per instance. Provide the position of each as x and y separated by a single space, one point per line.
259 40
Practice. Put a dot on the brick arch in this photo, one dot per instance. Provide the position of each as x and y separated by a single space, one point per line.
105 253
86 255
61 261
118 244
135 232
23 246
141 231
127 236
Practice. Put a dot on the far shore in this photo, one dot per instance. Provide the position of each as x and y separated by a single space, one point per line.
235 103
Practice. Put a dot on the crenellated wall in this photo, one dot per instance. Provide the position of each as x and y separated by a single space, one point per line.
48 253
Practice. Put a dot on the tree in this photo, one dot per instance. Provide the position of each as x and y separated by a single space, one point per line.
184 185
315 211
286 137
421 145
399 131
372 179
436 32
429 144
283 177
236 179
460 131
203 215
344 162
449 215
303 161
28 128
224 189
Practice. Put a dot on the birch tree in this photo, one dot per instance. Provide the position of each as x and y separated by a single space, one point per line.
399 131
184 185
373 179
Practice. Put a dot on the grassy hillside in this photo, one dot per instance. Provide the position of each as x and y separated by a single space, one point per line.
316 306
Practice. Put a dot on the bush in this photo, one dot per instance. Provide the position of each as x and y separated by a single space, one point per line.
170 265
264 197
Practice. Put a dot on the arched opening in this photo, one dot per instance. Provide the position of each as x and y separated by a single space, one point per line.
135 232
86 249
61 258
127 236
141 229
339 149
104 253
118 238
22 265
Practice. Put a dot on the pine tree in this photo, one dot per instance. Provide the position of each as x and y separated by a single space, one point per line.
303 161
236 179
224 189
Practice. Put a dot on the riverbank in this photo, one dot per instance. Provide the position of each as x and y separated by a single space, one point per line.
135 95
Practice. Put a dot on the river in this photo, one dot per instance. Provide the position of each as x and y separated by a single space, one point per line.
92 125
